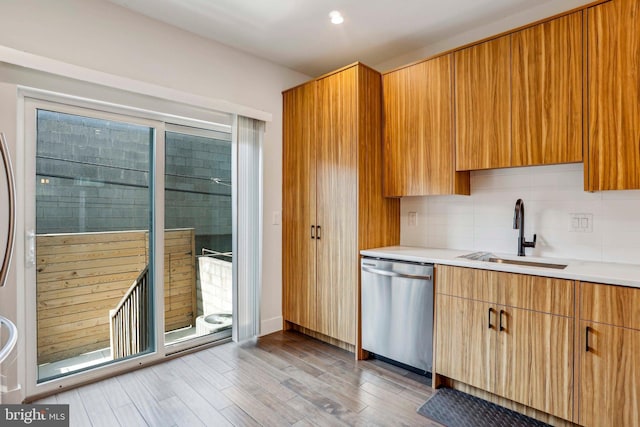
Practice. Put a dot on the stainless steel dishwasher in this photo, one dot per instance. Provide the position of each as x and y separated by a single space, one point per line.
397 311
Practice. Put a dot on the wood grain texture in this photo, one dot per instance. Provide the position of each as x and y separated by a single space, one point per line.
299 206
81 276
514 362
467 283
419 148
546 72
466 344
535 361
337 213
378 217
609 392
613 67
343 141
324 338
613 305
536 293
279 379
483 105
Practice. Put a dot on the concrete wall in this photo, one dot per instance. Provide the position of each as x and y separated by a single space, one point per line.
215 286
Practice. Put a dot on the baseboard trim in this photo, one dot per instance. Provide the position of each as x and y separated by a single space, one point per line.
269 326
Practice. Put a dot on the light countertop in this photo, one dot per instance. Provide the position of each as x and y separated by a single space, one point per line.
585 271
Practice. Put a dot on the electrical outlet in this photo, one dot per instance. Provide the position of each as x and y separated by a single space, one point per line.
413 219
581 222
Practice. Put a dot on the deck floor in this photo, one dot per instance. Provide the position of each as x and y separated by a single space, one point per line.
283 379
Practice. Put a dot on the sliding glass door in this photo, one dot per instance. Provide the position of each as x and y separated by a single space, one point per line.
198 254
129 240
92 241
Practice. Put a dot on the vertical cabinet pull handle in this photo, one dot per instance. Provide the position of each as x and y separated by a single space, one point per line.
501 313
489 325
318 233
586 339
313 231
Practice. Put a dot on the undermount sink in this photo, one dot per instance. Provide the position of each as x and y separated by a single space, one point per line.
489 257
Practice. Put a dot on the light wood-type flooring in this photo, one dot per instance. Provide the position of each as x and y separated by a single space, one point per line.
283 379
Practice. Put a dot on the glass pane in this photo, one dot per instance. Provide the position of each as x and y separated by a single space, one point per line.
198 274
93 200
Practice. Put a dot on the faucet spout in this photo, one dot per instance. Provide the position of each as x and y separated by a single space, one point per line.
518 224
518 215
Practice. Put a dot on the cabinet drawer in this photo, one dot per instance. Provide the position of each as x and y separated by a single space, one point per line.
614 305
465 283
536 293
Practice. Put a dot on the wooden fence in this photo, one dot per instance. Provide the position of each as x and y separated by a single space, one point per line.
81 276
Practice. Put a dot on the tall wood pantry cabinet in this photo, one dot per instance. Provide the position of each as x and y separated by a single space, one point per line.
333 205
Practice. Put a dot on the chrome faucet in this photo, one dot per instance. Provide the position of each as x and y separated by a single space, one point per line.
518 224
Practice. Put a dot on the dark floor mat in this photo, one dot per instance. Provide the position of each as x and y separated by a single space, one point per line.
454 408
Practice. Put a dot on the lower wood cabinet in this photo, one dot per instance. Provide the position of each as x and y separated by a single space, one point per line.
609 354
464 342
508 334
534 361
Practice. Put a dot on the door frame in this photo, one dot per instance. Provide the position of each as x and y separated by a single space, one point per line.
29 100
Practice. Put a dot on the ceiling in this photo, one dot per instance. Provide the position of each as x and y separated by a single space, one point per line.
298 34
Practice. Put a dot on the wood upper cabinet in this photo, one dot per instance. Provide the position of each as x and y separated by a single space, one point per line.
508 334
333 205
519 97
419 149
609 349
483 105
546 76
299 205
613 67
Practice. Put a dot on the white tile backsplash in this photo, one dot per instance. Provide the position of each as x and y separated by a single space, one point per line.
484 220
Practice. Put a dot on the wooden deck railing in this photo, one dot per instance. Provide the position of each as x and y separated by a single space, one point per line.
128 321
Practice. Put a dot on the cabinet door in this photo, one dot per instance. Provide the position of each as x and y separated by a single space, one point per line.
483 105
298 206
535 360
547 93
464 340
419 151
337 210
613 62
609 392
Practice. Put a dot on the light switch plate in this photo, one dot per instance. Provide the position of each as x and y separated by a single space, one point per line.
276 218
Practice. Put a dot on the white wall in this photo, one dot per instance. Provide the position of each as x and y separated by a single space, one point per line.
501 24
99 35
484 220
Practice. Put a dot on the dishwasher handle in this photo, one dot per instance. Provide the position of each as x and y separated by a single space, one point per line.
394 274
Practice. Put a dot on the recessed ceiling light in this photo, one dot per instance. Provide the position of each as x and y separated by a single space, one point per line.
336 17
